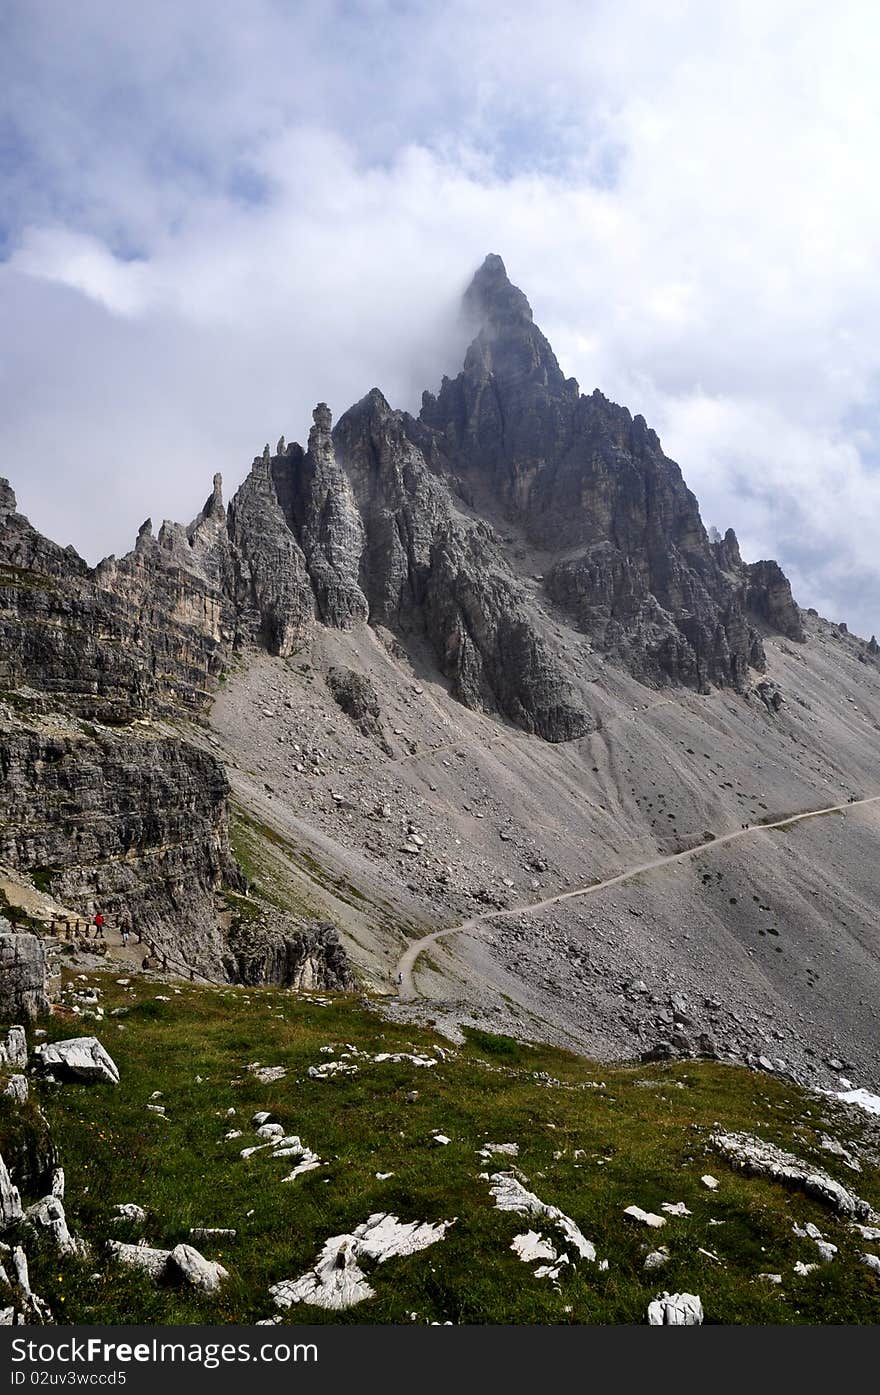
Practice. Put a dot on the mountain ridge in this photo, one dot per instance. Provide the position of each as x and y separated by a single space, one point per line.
378 519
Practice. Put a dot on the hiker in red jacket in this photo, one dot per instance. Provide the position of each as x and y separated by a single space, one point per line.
99 926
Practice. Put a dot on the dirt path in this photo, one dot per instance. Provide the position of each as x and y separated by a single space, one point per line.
404 973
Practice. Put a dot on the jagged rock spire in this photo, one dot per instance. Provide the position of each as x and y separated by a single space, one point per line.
492 298
8 502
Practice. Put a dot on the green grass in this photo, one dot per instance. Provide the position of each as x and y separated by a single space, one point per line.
640 1145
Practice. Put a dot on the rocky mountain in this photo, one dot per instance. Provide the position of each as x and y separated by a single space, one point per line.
405 523
468 659
401 523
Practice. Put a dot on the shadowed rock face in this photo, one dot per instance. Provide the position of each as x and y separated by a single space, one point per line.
125 820
630 559
309 958
400 520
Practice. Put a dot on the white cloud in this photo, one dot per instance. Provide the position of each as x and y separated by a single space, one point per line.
213 225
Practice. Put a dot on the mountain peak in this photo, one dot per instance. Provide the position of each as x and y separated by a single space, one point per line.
492 298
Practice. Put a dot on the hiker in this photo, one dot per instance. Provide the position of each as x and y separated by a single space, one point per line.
125 927
98 923
400 978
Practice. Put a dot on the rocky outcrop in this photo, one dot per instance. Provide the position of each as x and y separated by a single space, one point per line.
768 595
133 636
357 698
273 591
431 572
309 957
22 978
121 819
758 1158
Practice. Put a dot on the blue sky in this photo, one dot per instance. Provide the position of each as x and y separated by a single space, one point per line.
214 215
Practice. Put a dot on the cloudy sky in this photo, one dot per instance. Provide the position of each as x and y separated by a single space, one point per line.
214 214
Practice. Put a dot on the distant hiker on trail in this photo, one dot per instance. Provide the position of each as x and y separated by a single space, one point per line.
125 926
400 978
98 923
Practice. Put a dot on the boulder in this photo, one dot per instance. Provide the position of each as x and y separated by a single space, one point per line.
48 1215
187 1265
648 1218
140 1257
129 1211
77 1058
676 1310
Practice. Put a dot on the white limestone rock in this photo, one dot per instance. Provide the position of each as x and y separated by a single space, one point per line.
77 1058
489 1150
128 1211
271 1132
144 1257
657 1258
382 1236
10 1200
48 1214
13 1048
267 1075
328 1069
337 1280
309 1161
511 1195
648 1218
396 1056
676 1310
755 1156
531 1246
190 1266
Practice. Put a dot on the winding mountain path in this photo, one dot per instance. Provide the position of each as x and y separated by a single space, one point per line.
406 985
